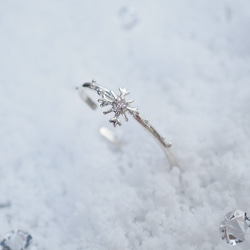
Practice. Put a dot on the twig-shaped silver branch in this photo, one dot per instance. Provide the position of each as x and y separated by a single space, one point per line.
119 105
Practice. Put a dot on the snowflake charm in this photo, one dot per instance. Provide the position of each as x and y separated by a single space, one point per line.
119 105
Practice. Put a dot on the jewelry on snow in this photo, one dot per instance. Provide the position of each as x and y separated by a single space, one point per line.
120 106
233 227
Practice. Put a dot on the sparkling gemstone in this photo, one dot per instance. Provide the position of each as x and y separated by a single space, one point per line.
17 240
120 106
234 226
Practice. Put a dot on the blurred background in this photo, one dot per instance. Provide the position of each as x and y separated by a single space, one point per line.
186 64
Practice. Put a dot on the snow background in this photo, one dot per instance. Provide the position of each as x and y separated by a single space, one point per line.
186 64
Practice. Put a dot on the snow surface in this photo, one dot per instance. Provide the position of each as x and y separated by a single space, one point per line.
186 64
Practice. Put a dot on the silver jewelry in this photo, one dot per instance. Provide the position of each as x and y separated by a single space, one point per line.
121 107
233 227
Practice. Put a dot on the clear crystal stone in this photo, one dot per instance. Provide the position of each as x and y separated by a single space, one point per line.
17 240
234 226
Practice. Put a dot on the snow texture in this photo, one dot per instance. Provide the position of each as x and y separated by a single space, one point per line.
186 64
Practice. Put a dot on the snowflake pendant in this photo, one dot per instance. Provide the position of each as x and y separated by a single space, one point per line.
119 105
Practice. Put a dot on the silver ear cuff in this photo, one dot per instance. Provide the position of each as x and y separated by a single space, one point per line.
121 107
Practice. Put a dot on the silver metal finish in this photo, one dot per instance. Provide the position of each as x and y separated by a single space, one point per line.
110 136
120 106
